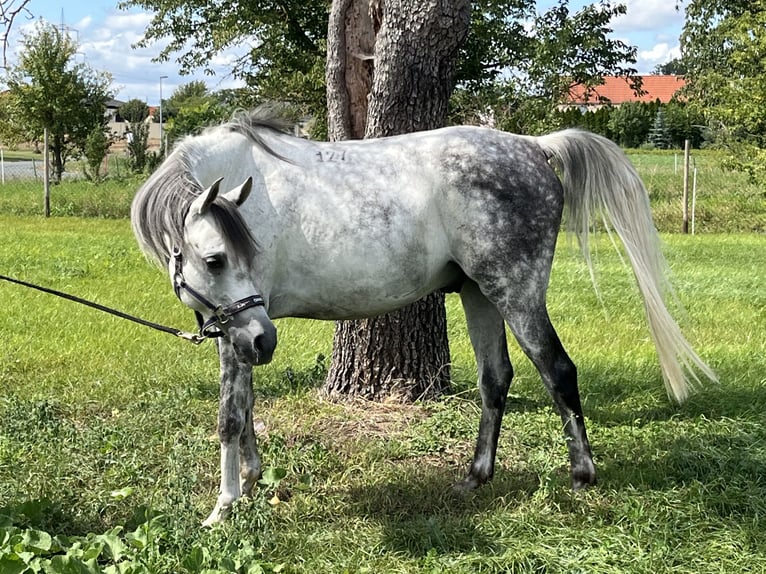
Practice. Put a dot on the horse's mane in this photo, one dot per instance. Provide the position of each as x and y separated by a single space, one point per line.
250 123
160 205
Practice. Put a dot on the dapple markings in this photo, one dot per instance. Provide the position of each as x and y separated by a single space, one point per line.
354 229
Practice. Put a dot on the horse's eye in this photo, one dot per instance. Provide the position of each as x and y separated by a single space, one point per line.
215 262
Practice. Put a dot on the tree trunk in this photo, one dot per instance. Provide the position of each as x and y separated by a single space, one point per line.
404 354
58 162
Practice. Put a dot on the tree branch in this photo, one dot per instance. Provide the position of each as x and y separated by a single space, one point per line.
9 10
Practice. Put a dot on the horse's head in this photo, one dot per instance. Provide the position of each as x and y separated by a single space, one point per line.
211 273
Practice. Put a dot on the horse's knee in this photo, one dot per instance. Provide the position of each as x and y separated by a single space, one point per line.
231 423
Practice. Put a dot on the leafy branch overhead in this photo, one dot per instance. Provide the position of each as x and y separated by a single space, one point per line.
723 45
503 53
10 11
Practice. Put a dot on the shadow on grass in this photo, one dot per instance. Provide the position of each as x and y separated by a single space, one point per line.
617 394
274 384
714 459
422 512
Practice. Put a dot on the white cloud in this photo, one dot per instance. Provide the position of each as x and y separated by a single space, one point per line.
133 21
649 15
84 23
661 53
109 46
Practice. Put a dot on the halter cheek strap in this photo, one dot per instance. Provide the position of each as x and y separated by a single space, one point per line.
220 314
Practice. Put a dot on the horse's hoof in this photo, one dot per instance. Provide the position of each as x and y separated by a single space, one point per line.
467 485
583 478
219 514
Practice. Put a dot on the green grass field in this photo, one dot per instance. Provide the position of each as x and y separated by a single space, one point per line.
108 460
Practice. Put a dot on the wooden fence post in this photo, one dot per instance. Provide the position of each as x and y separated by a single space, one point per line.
46 175
685 226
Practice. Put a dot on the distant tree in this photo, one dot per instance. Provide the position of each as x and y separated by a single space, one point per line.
193 116
684 122
191 93
192 107
596 121
675 67
11 131
135 112
96 149
49 90
659 134
630 123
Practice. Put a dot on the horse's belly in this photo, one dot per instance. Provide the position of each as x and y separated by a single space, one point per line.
360 292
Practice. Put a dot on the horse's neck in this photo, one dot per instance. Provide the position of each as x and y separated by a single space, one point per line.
236 158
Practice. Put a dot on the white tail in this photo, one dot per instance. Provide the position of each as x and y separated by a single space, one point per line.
598 177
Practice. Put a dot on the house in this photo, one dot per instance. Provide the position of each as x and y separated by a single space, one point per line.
617 90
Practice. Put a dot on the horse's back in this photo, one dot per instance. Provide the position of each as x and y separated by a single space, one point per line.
392 219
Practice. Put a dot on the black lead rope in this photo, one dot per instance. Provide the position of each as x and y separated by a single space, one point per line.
191 337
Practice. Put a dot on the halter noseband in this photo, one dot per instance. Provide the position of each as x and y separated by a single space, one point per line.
220 314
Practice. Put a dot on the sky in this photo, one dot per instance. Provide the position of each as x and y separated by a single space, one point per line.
106 36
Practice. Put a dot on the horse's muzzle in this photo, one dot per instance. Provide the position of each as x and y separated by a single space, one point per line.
254 341
264 345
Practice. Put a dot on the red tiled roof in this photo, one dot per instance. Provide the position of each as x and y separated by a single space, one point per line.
617 90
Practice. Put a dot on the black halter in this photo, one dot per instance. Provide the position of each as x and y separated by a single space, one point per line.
220 314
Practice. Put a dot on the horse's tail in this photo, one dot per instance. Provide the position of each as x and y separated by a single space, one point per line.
598 177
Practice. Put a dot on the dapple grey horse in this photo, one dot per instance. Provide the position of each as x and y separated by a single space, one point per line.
254 224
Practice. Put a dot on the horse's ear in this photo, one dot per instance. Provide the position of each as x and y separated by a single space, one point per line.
239 194
202 203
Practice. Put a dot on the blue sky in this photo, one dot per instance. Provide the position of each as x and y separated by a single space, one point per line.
106 36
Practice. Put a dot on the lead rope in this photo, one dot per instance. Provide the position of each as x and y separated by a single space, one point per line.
191 337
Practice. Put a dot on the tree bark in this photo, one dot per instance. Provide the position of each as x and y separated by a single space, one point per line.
350 52
404 354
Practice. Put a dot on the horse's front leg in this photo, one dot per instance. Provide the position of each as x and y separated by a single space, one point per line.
235 432
249 459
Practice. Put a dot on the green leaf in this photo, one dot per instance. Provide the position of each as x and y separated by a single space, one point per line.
138 538
195 560
37 541
11 565
71 565
272 476
114 545
92 552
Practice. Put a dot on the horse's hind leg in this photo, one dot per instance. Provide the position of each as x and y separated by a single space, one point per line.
486 329
532 327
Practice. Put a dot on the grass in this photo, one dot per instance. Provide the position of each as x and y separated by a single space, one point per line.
22 154
108 460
